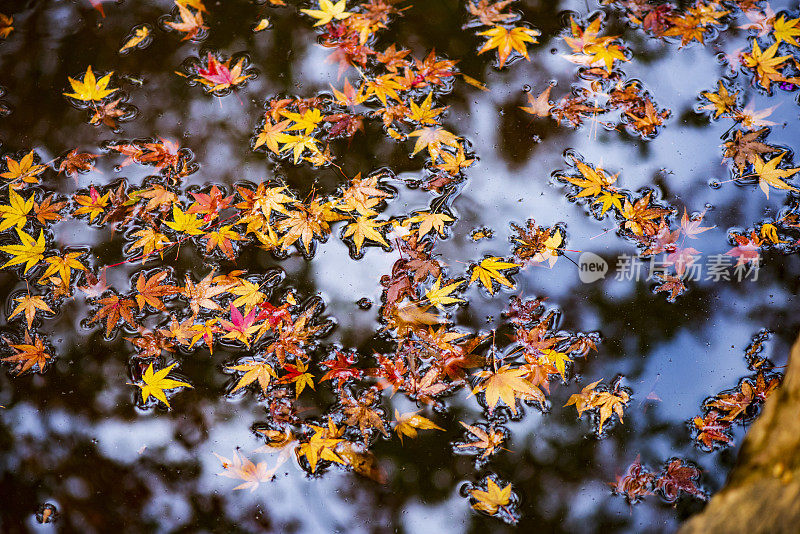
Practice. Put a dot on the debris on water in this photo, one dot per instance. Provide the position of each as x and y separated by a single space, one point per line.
47 513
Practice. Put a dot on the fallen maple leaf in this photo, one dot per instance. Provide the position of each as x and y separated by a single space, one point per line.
539 106
408 423
327 12
506 41
491 500
156 383
90 89
506 384
488 272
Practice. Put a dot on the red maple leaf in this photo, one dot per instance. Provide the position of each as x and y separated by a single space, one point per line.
746 249
219 74
209 204
340 368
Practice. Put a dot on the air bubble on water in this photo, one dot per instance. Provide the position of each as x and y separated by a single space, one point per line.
714 184
526 88
364 303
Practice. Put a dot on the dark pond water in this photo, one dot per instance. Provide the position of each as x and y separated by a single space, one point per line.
76 436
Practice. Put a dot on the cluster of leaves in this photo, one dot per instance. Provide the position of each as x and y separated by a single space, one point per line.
603 89
712 429
431 358
752 158
676 477
765 66
425 356
509 38
698 22
641 220
745 145
394 89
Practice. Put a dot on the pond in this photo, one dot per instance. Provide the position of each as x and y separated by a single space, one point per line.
390 266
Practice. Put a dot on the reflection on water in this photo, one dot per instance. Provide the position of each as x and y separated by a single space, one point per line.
75 446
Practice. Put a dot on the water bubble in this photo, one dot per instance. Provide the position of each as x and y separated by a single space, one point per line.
526 88
364 303
714 184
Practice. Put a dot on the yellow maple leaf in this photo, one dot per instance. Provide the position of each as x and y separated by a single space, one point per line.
327 12
506 41
424 113
91 89
408 423
63 266
365 228
23 169
15 213
488 271
606 53
185 223
156 383
558 359
260 371
30 251
433 138
593 180
139 35
770 175
307 121
439 295
493 499
607 402
764 63
149 241
721 102
428 222
92 204
506 384
321 446
786 30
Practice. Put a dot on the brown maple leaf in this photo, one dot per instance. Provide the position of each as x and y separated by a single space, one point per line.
108 114
744 148
488 13
539 106
112 310
77 162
